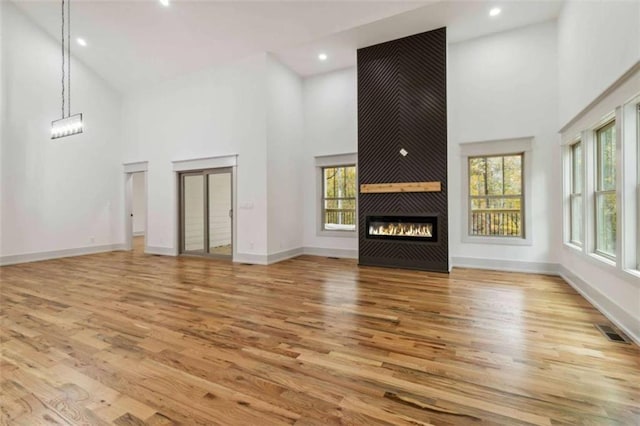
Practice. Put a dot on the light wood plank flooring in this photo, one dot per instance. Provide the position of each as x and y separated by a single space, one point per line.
132 339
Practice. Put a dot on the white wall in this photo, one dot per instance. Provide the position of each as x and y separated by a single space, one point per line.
284 154
56 194
504 86
3 111
138 203
252 108
331 127
214 112
598 41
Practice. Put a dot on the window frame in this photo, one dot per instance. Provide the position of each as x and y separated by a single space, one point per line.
324 199
325 161
573 194
637 108
629 203
503 196
618 101
598 192
498 147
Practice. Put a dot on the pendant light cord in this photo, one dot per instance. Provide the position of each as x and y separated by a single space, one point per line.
62 58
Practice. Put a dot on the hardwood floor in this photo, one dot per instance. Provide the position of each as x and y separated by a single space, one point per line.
132 339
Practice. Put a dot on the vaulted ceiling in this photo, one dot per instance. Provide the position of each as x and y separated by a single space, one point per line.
134 43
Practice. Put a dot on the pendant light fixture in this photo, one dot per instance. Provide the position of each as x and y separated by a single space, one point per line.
69 124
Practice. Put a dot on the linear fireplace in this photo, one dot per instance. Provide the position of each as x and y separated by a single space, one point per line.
403 228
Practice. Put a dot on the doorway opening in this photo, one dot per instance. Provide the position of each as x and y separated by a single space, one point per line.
206 212
136 210
139 212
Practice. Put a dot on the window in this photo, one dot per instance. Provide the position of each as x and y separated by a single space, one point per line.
339 198
638 188
605 194
496 196
575 202
601 217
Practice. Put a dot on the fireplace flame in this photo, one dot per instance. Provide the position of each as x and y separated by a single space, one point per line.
402 229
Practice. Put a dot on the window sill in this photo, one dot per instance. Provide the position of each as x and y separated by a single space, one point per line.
338 234
626 274
503 241
602 259
573 246
633 272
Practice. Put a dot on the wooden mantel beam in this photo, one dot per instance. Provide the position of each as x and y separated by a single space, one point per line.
370 188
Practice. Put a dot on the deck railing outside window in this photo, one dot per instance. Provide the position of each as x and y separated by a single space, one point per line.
339 198
492 222
340 216
495 196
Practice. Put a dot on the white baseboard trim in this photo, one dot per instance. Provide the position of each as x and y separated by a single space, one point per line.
57 254
162 251
253 259
331 252
284 255
138 234
259 259
505 265
621 318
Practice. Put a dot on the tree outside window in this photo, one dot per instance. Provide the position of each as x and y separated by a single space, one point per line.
605 195
339 198
495 196
575 202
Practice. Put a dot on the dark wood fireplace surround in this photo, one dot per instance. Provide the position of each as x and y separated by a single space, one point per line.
402 138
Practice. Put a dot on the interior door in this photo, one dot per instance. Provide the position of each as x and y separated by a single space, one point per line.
193 213
220 202
206 215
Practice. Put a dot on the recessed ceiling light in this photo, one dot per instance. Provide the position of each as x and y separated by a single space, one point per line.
82 42
165 3
322 56
495 11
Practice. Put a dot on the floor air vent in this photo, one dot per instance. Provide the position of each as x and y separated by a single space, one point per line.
613 334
